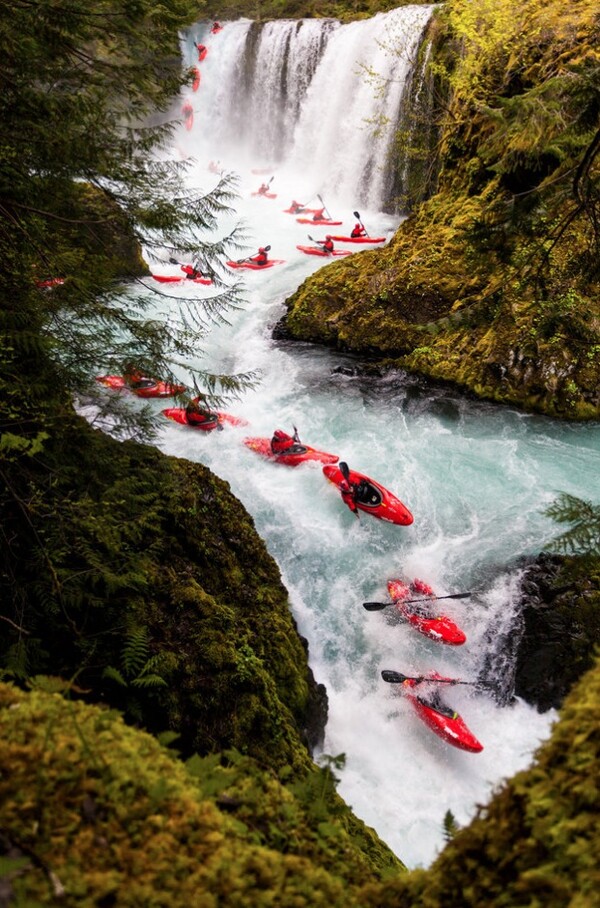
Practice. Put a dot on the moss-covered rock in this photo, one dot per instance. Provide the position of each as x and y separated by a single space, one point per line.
492 283
95 813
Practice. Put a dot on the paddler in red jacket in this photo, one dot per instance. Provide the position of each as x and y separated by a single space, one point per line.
261 258
319 215
282 442
197 414
327 245
190 272
358 230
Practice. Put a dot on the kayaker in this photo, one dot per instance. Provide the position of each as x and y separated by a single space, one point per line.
348 490
196 413
358 230
319 215
282 442
134 379
202 51
216 27
263 189
191 273
261 258
327 246
296 207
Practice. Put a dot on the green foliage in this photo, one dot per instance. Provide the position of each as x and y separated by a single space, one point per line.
451 827
583 538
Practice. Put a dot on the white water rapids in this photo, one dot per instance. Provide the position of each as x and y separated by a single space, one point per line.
475 476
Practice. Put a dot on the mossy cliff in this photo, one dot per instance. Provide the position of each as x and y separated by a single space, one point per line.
95 813
492 283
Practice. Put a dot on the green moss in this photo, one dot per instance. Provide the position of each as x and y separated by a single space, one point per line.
103 814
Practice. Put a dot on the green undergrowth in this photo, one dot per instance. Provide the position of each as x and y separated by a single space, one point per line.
492 283
148 585
93 812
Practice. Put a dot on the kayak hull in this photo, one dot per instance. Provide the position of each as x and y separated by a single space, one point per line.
389 508
445 723
175 279
196 80
359 239
266 195
158 389
52 282
262 446
177 414
439 628
316 250
319 222
252 266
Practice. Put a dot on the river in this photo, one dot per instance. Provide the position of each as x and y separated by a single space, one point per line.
477 477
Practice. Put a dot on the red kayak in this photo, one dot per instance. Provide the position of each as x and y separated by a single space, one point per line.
254 267
372 498
196 82
359 239
317 250
53 282
152 389
439 717
177 414
319 222
298 453
440 628
216 29
175 279
202 52
265 195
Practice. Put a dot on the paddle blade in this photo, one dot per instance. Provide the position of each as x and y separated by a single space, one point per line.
344 470
174 261
356 214
435 598
375 606
393 677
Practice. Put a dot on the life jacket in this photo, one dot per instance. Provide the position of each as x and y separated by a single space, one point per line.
319 215
190 271
261 259
357 230
328 245
281 441
418 586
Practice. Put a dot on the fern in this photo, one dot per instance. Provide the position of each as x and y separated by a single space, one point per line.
583 538
135 652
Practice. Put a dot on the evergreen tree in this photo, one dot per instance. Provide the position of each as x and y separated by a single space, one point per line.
87 110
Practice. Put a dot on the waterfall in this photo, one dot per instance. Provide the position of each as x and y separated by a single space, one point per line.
312 96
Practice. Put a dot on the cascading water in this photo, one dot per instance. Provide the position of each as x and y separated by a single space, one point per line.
302 93
475 476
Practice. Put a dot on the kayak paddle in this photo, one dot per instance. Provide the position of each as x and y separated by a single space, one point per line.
247 259
325 207
357 215
397 678
377 606
345 471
